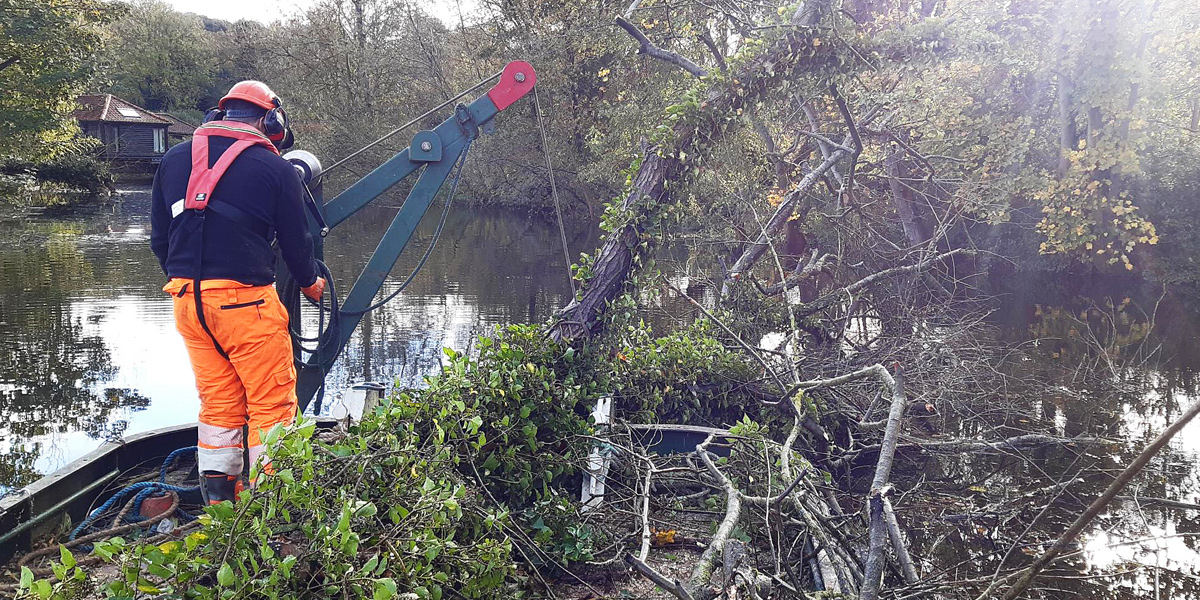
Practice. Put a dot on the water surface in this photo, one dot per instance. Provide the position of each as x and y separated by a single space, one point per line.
89 352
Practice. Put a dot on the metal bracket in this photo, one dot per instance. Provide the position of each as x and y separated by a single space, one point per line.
426 147
466 122
434 153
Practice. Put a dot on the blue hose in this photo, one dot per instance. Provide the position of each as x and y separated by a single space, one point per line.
144 490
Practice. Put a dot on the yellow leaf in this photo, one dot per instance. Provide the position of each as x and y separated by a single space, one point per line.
662 538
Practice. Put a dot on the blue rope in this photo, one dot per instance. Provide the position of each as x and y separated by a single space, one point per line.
144 490
162 474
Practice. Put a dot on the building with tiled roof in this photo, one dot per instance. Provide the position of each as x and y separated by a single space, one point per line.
179 130
129 132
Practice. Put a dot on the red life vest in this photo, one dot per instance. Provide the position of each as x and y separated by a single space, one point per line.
203 179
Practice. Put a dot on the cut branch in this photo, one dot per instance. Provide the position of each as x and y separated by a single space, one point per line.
906 562
674 587
873 569
649 49
702 572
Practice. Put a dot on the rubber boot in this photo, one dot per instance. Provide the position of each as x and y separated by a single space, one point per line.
217 487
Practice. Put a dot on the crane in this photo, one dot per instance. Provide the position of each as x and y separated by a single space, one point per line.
431 156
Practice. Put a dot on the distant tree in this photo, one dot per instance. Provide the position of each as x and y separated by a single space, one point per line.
159 57
47 53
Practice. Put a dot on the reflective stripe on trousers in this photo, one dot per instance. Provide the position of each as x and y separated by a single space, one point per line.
256 386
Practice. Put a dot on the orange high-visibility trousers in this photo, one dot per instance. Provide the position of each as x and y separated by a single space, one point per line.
256 385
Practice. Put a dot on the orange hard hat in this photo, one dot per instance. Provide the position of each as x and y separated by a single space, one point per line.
254 92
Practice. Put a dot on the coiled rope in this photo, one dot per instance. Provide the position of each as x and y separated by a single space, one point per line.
131 512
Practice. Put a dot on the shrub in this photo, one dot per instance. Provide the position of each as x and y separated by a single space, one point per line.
70 172
77 172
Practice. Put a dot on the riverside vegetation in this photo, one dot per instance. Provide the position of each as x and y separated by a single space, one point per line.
847 179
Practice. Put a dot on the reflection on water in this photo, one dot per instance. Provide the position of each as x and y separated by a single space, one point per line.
88 349
1107 358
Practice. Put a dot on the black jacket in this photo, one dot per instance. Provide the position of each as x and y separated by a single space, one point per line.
260 183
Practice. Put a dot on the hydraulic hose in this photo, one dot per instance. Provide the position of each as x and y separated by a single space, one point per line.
328 339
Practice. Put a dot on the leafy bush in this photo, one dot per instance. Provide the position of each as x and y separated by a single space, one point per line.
394 506
531 397
77 171
371 514
74 172
686 377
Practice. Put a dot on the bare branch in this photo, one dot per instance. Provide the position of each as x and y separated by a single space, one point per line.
865 282
674 587
873 569
649 49
906 562
702 572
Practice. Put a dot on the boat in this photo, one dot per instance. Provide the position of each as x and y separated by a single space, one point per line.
40 509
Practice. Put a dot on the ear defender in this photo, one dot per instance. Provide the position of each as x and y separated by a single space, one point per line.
214 114
275 125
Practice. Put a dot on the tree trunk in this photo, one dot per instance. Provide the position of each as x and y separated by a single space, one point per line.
1068 133
614 261
902 198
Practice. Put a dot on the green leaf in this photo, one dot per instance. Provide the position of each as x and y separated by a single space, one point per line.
26 577
385 588
65 556
43 589
371 563
273 434
225 575
365 509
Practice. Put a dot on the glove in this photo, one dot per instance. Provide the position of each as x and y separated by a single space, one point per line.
316 290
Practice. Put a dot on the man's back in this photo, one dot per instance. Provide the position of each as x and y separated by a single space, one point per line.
260 184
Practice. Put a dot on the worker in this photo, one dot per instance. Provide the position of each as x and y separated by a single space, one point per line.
219 201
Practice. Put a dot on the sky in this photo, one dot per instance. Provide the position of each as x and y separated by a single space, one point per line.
266 11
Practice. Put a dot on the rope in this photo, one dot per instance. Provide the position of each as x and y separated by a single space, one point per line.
144 489
393 132
562 231
162 473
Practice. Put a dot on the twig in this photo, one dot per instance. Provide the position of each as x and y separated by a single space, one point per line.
1161 502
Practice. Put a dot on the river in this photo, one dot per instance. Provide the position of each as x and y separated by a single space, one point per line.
88 352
